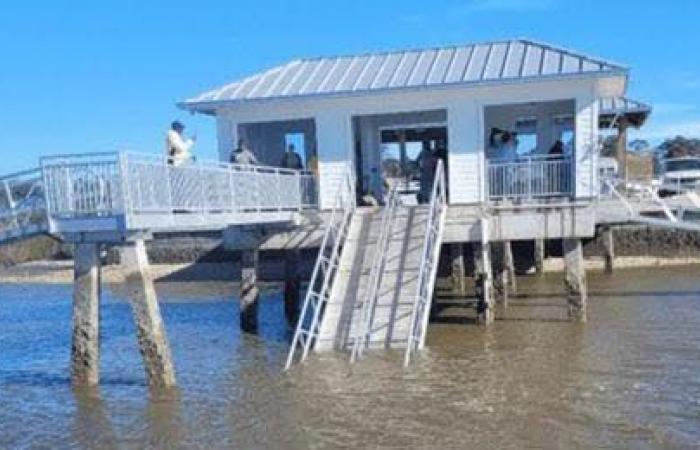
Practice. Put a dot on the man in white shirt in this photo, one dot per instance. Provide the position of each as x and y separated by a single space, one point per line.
243 156
177 147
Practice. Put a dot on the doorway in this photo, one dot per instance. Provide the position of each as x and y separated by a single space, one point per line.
401 152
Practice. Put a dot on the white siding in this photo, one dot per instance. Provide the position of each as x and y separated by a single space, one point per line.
333 135
226 136
586 143
464 176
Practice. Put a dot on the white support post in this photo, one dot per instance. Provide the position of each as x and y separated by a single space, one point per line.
575 279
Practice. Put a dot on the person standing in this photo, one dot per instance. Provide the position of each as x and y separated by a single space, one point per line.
291 159
427 164
177 147
243 156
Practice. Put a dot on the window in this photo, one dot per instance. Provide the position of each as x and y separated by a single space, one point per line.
564 131
297 140
526 130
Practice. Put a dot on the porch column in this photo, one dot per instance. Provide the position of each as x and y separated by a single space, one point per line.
575 279
153 341
621 147
292 286
458 268
249 291
85 345
539 256
608 249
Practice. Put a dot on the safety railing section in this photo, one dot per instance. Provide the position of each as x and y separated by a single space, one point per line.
325 271
429 265
145 187
530 177
364 332
22 205
636 197
82 185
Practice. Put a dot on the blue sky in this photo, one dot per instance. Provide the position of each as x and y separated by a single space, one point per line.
81 76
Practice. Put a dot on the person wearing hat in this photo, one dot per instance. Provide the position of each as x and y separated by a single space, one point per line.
177 146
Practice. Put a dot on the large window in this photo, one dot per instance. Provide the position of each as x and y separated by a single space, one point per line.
526 129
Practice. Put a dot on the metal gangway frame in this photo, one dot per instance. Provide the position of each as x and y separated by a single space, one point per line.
362 337
22 205
429 265
325 270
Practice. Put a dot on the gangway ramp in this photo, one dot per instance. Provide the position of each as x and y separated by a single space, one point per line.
392 308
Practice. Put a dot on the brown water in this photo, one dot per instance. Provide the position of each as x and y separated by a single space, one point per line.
629 378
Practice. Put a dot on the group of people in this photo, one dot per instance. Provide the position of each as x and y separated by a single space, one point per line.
503 146
179 150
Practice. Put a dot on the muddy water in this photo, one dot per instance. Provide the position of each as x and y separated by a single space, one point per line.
629 378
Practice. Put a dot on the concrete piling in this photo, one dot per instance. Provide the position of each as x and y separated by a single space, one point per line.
575 279
484 283
292 286
458 268
509 263
85 346
249 291
539 256
609 249
153 342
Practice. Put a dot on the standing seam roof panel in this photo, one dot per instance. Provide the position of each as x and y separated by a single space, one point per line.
533 61
352 73
477 63
514 60
370 72
422 69
301 78
267 79
550 65
494 65
317 77
458 65
386 71
285 79
404 70
440 66
570 64
336 74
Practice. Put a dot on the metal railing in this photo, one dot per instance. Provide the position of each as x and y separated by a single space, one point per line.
363 335
635 196
429 265
530 177
149 191
22 205
325 270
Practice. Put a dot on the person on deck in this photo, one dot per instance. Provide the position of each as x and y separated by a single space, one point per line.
243 156
177 147
291 159
557 149
427 163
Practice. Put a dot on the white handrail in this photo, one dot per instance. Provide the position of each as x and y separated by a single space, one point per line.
325 270
363 334
429 265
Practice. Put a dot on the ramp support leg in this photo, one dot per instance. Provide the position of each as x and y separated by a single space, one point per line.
575 279
609 249
458 268
249 291
153 341
85 345
539 256
484 283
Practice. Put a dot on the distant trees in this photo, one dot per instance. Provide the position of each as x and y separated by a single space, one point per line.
679 146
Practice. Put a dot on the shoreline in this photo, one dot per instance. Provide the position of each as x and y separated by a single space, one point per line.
61 272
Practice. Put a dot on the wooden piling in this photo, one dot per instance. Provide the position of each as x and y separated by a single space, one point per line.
484 283
575 279
85 345
292 286
249 291
458 268
608 249
539 256
153 341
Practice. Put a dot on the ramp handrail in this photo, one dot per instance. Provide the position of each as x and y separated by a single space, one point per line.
22 205
612 185
379 258
325 270
429 264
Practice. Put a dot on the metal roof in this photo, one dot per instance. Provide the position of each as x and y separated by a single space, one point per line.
491 62
612 108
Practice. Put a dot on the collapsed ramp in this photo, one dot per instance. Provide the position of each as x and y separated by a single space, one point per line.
23 212
641 204
373 307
